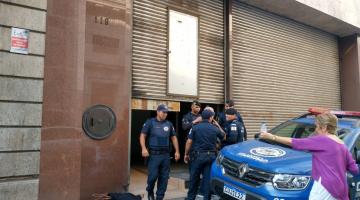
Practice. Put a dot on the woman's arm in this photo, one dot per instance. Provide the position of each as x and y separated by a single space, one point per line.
275 138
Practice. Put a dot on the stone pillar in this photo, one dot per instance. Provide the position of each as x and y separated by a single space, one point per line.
87 62
21 97
350 72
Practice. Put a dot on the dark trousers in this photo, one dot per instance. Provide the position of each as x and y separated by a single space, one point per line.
200 165
158 170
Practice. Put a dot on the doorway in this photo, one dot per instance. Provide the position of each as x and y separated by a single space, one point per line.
179 175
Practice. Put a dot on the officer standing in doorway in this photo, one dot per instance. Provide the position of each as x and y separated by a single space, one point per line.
222 117
202 145
234 130
192 117
159 132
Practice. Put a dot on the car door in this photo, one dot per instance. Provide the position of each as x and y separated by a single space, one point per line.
354 180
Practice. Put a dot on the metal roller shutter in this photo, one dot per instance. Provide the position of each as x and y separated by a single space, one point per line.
149 58
281 67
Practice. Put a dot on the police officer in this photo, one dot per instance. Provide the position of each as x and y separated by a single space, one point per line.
159 131
192 117
202 145
222 117
234 129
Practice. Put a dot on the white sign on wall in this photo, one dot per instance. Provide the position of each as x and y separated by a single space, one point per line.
19 41
183 54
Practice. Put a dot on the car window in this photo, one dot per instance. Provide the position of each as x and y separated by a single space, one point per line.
302 130
294 130
356 148
285 130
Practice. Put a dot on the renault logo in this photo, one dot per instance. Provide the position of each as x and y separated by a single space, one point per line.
243 170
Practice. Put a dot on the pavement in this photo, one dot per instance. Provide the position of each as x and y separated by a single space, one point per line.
176 189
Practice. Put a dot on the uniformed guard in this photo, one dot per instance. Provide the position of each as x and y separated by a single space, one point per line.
159 132
234 130
202 145
192 117
222 117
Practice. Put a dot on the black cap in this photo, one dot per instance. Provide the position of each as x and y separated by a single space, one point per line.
230 102
231 111
197 103
162 108
206 114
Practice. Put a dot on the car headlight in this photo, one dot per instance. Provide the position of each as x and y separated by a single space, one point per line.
219 159
290 182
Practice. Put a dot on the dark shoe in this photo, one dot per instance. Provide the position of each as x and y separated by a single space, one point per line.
151 197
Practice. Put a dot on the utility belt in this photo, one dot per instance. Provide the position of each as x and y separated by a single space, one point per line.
201 153
159 152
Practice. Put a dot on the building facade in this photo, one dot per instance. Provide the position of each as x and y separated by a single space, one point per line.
275 59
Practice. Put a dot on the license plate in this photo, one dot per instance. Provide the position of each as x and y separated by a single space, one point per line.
233 192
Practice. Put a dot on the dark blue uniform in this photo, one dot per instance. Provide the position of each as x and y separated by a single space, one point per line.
223 123
187 121
234 133
158 134
202 154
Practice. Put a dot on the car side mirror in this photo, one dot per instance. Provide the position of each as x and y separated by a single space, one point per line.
358 156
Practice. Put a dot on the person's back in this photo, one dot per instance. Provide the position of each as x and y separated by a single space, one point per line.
202 147
331 161
204 136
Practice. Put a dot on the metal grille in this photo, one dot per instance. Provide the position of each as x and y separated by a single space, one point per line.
281 67
149 57
254 177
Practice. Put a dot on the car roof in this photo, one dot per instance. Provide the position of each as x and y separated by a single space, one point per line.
348 123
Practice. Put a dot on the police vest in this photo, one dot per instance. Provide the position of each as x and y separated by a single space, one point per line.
159 135
234 132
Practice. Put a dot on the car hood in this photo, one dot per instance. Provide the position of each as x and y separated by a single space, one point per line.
269 157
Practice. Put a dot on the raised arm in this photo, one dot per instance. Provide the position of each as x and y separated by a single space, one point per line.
278 139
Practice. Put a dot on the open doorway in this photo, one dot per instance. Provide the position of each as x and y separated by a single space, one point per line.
179 174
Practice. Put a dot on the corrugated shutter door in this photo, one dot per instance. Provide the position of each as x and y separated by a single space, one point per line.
149 58
281 67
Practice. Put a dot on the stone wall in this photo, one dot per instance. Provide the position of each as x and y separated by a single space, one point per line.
21 96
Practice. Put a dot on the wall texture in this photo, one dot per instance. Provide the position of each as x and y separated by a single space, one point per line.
350 72
345 10
339 17
21 96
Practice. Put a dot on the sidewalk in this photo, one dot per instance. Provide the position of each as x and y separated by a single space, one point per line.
175 190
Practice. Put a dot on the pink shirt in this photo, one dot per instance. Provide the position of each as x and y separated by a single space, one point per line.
330 161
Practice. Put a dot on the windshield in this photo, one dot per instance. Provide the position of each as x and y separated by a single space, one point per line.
296 129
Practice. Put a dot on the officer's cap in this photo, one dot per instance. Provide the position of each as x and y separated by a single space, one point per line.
206 114
162 108
231 111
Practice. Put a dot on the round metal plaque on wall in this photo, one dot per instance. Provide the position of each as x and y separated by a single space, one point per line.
99 122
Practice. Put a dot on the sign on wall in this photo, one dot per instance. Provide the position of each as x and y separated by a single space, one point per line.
19 41
183 54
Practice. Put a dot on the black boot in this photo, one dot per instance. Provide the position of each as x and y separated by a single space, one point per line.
151 196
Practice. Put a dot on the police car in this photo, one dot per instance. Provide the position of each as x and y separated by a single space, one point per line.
259 169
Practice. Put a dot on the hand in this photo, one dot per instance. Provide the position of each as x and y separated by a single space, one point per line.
216 123
177 156
186 159
145 153
266 136
197 120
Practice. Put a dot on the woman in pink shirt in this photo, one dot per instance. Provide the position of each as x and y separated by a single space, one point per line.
330 158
